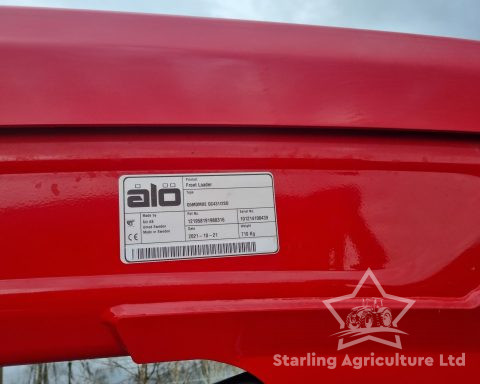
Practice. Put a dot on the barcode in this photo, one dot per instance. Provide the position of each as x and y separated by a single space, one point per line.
181 251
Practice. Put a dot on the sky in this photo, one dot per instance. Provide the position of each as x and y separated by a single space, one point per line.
453 18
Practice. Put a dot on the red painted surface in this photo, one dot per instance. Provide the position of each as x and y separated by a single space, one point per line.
407 205
99 68
404 204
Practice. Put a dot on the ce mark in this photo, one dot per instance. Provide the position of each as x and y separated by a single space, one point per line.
132 237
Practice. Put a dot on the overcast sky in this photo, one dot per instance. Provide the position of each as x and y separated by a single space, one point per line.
456 18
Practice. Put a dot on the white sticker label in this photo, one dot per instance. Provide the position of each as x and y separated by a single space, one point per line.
177 217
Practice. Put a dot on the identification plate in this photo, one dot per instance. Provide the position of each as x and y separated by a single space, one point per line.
190 216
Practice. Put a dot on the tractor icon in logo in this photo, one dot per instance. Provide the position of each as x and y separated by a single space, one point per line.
375 320
370 314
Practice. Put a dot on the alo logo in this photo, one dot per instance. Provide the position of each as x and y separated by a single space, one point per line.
164 197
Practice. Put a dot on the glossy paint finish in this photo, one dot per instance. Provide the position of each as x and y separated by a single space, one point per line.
402 203
99 68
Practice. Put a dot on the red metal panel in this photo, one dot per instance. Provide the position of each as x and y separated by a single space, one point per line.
403 204
407 205
63 67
